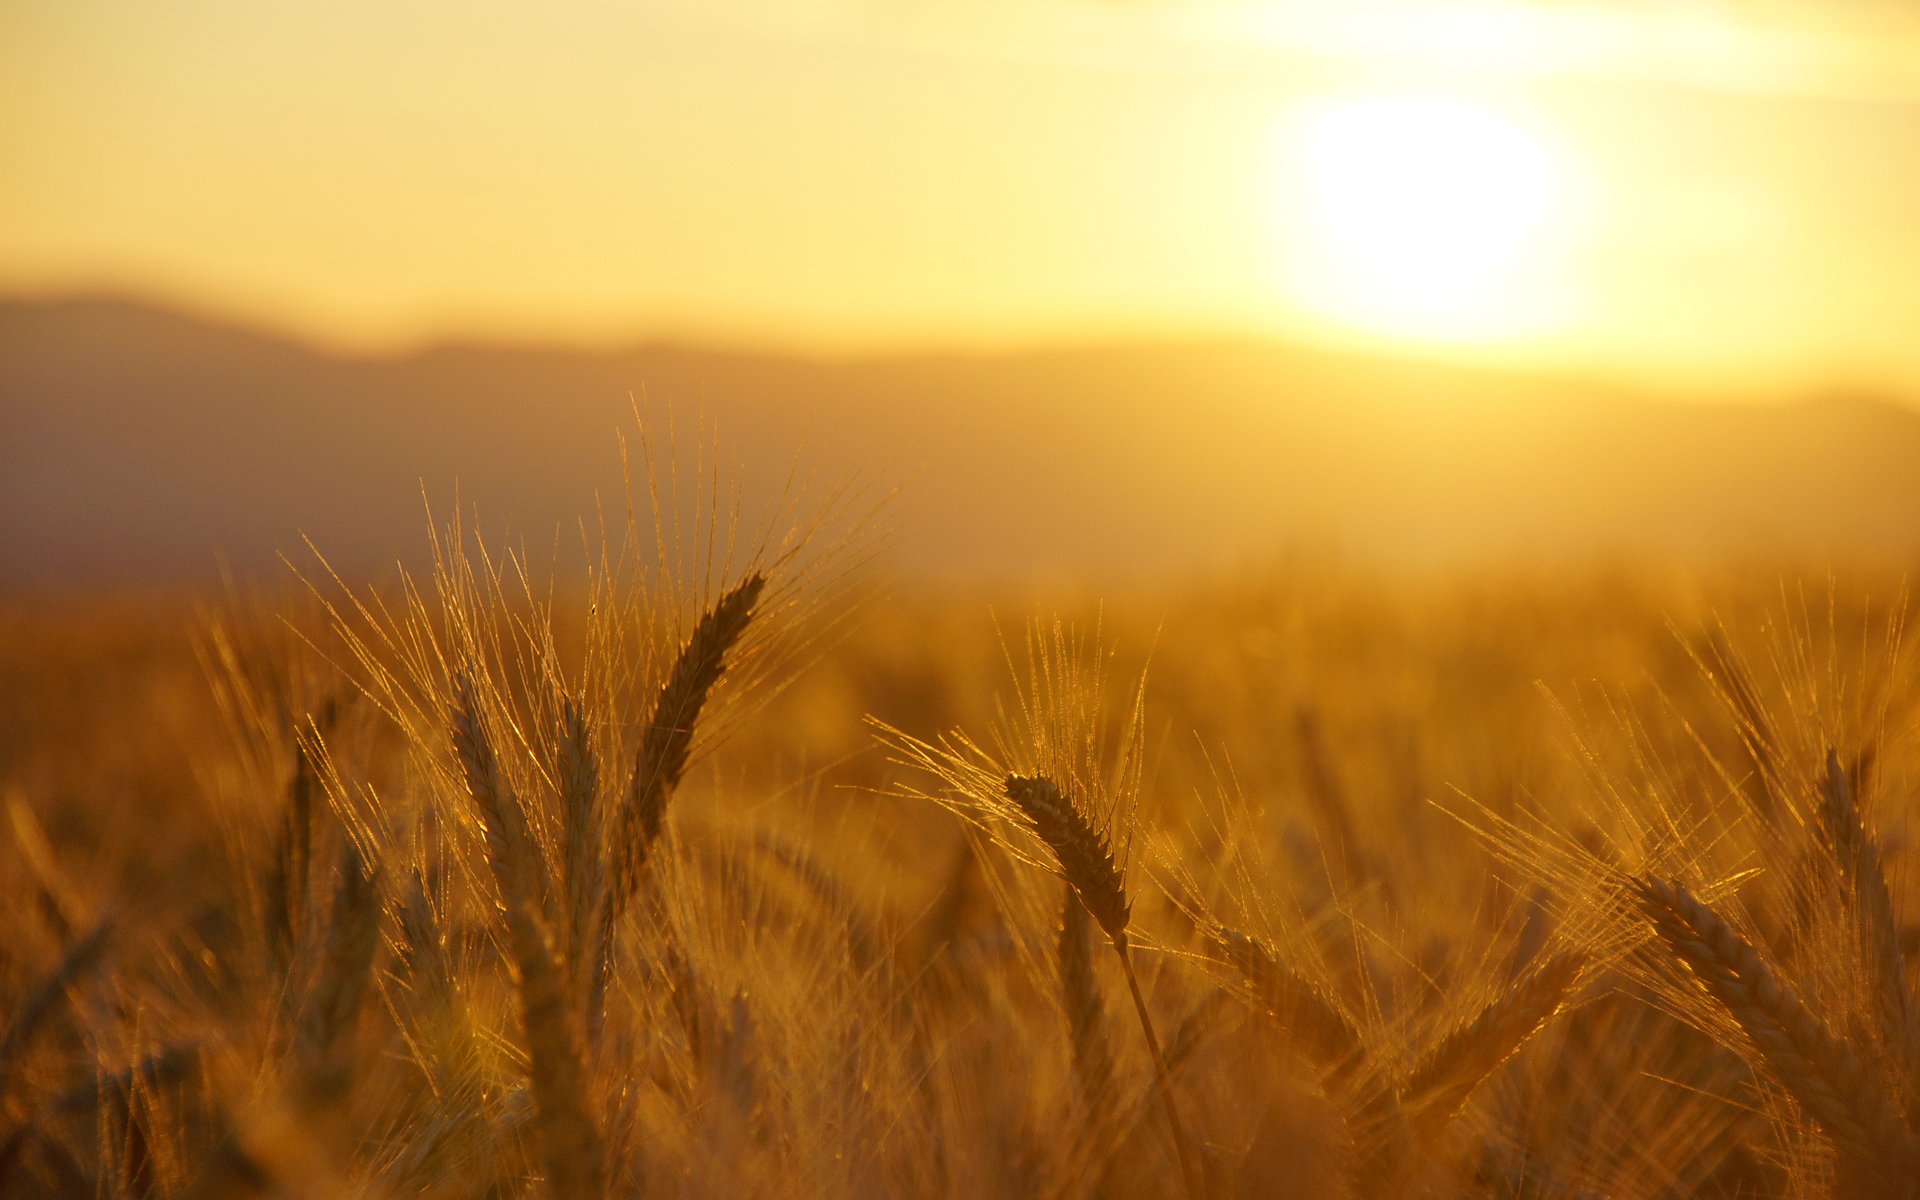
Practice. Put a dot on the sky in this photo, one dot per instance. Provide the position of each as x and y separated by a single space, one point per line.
1724 197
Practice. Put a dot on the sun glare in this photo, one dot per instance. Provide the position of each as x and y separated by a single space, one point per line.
1421 216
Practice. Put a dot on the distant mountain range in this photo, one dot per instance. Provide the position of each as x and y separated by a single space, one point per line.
140 445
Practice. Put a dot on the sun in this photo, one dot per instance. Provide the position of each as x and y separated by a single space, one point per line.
1423 216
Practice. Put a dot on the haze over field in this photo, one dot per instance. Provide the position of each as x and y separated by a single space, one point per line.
141 444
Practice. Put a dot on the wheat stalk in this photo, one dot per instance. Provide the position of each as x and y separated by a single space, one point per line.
571 1143
1080 992
1849 1103
569 1137
286 885
333 1004
581 859
1086 862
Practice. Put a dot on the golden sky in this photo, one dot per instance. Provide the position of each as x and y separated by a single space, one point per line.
1718 195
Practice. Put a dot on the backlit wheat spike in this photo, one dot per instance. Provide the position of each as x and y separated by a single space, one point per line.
1322 1034
353 934
1319 1030
422 948
863 941
509 845
1858 858
1086 862
1462 1061
1201 1020
1877 1152
668 739
286 886
1085 858
294 1141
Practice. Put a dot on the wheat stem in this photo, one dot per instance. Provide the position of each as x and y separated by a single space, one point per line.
1086 862
1189 1169
574 1150
1092 1064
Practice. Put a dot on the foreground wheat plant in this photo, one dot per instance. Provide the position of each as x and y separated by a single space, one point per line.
1086 862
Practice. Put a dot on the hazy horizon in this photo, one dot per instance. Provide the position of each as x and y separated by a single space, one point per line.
1647 383
142 444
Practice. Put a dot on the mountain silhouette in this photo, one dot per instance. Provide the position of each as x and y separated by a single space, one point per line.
140 445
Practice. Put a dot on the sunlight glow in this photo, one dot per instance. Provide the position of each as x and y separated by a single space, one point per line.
1421 216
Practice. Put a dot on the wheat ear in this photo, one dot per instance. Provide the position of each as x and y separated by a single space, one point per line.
1319 1030
1449 1074
1086 861
333 1004
1323 1035
660 762
286 885
1858 857
1823 1076
570 1140
504 823
668 739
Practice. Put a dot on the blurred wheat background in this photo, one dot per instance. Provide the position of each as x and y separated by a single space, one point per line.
722 870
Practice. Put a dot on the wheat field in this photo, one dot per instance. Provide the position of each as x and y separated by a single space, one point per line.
728 867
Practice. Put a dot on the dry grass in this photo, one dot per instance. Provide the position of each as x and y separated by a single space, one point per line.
474 887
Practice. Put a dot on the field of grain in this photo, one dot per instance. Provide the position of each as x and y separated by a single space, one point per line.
745 871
